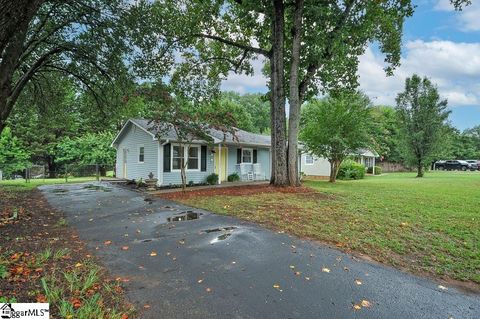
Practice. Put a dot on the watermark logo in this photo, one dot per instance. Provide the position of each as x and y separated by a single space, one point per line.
24 311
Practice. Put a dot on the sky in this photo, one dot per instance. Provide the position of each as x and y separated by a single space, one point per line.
438 42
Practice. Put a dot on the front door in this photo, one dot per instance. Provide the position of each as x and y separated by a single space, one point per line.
221 155
124 163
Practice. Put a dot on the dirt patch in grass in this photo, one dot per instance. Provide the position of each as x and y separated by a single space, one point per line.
43 260
236 191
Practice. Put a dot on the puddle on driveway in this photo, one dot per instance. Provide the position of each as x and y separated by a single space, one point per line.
227 232
59 191
98 188
184 216
219 229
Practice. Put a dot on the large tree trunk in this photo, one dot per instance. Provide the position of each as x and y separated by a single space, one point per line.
294 118
15 17
279 165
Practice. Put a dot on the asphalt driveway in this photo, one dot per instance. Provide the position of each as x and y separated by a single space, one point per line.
220 267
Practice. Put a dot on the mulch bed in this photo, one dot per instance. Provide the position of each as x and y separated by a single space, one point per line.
23 240
235 191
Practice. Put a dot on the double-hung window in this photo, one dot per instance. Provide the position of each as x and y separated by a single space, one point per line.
193 157
247 155
177 156
308 159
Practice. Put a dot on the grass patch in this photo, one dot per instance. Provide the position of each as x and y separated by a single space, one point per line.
21 185
429 225
42 260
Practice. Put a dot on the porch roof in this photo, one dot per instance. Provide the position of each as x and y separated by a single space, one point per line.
241 137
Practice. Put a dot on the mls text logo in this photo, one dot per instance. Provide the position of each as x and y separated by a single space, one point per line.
24 311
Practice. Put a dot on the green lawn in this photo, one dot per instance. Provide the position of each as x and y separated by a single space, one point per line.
429 225
21 184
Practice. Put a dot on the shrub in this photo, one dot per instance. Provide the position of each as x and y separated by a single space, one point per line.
350 169
378 170
233 177
212 179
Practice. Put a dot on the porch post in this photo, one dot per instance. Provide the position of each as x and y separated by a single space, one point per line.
373 168
219 163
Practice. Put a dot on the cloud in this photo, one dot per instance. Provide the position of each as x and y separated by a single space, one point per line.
468 19
243 83
453 66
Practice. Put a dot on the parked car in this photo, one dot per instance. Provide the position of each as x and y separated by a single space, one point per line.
452 165
477 162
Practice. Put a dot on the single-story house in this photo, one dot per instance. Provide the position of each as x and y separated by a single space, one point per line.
141 152
311 165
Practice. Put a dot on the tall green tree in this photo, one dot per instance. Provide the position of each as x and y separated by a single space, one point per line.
307 45
384 133
87 149
13 155
336 127
251 110
83 39
423 115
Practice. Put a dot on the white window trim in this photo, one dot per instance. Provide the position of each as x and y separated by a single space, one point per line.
251 155
306 162
185 158
138 155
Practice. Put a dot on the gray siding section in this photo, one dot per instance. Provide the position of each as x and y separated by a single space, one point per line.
320 166
130 140
174 178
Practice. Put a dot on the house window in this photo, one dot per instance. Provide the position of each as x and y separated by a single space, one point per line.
193 157
141 154
177 156
308 160
247 156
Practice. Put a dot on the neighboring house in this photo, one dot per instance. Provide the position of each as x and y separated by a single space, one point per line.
311 165
140 152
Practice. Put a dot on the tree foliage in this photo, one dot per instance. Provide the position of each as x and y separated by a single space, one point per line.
336 127
82 39
423 117
384 133
13 155
251 111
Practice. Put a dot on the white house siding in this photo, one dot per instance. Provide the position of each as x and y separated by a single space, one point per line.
320 166
132 138
174 178
263 158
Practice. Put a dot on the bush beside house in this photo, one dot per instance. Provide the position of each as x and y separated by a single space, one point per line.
350 169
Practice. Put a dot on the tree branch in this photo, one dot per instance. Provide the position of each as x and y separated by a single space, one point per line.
235 44
313 67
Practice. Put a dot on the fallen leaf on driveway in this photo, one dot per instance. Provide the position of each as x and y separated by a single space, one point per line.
107 242
146 306
125 248
200 281
292 267
208 289
325 270
358 282
153 254
366 304
357 307
442 287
